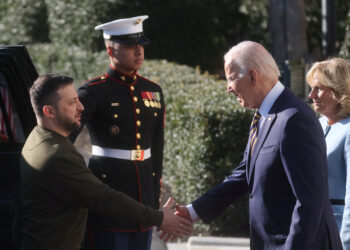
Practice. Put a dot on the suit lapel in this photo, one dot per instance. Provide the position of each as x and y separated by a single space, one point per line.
265 129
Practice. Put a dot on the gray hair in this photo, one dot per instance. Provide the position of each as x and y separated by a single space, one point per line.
251 55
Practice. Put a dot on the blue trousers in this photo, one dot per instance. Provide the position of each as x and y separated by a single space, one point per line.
109 240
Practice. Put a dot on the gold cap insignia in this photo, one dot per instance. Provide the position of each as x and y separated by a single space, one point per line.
138 21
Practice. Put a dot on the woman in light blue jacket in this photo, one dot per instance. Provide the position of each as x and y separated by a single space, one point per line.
330 92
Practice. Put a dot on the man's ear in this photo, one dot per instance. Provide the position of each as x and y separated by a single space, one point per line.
110 51
49 111
253 74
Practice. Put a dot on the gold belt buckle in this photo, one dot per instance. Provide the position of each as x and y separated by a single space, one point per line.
137 155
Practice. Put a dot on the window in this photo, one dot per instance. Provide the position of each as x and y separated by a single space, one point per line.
10 124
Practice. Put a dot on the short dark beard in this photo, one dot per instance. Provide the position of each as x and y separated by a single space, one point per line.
68 126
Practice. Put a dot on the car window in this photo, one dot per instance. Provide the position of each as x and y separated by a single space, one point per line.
10 125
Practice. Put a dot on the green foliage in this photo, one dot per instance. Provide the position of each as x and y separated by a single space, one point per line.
314 27
23 22
206 130
72 22
11 30
35 21
256 21
201 30
342 22
68 60
225 137
345 50
195 33
194 29
313 10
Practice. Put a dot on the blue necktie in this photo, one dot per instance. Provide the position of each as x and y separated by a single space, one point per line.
254 129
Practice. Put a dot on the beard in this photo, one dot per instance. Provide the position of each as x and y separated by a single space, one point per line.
67 124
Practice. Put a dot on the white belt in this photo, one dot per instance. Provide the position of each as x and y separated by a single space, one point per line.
133 155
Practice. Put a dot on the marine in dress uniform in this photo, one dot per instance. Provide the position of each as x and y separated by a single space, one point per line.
124 114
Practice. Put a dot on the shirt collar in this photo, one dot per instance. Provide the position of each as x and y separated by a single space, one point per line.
270 99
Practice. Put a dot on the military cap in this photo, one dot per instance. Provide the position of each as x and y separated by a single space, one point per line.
125 31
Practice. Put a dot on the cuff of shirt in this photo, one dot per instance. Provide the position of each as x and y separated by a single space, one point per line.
193 214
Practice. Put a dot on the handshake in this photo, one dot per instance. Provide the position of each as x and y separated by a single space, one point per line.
175 224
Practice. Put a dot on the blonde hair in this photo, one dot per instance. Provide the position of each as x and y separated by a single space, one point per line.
334 73
251 55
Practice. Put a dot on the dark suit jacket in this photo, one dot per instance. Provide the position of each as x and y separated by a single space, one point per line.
286 179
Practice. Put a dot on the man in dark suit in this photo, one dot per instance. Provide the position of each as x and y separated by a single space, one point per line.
57 188
284 169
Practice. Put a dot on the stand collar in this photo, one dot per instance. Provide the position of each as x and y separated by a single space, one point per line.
121 77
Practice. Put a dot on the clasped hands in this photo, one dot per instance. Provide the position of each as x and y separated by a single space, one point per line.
175 224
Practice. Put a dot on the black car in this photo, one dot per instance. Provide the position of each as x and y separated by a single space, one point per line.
17 119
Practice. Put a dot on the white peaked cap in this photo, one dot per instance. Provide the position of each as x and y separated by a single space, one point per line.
121 27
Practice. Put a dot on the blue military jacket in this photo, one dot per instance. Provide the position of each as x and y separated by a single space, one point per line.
125 112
